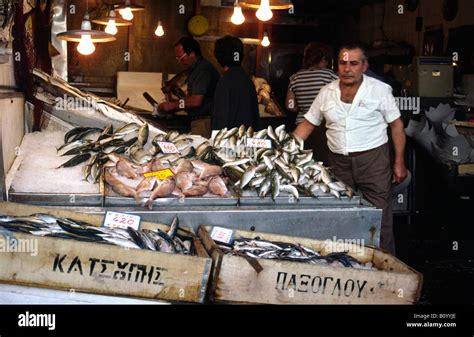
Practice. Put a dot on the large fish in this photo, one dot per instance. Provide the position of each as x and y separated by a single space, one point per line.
119 187
218 186
176 88
163 189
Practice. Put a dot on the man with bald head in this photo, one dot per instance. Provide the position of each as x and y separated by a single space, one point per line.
358 110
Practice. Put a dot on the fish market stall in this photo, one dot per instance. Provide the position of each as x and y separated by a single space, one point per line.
262 268
216 194
50 248
93 155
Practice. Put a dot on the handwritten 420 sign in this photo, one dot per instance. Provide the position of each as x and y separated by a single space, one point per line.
259 143
168 147
121 220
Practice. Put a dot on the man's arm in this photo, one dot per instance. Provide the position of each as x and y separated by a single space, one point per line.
291 101
304 129
399 141
190 102
194 101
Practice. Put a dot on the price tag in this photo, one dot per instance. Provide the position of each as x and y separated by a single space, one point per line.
121 220
259 143
167 147
222 235
161 174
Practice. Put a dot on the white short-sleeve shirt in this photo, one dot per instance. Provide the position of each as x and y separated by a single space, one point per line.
362 127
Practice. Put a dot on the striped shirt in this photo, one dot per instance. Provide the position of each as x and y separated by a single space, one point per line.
306 85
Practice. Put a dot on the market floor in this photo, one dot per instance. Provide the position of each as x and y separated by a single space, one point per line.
439 243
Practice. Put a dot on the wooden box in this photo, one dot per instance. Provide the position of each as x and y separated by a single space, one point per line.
237 279
99 268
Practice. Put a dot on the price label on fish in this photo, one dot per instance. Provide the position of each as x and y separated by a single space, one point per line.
121 220
161 174
222 235
168 148
259 143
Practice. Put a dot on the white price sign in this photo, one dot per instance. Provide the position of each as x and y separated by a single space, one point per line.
222 235
121 220
259 143
168 147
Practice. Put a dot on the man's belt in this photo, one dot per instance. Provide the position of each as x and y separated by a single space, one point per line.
356 154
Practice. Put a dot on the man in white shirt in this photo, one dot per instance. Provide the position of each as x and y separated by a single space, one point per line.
358 109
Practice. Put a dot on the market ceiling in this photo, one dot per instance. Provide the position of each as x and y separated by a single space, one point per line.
319 8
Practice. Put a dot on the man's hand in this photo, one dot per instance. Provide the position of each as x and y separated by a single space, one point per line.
304 129
399 140
167 106
399 172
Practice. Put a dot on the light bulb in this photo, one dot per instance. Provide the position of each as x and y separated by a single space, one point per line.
159 30
264 12
265 40
111 27
126 13
86 47
238 17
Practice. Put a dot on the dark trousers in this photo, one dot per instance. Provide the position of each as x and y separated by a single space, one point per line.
370 172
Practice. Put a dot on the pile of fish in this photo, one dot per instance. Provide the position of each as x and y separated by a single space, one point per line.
47 225
128 162
190 178
94 144
258 248
282 167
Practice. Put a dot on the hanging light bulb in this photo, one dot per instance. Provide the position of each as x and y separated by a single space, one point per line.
264 12
127 8
159 30
111 28
126 13
238 17
265 40
86 47
86 36
111 25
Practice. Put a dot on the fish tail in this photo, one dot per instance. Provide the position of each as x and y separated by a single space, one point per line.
138 199
149 204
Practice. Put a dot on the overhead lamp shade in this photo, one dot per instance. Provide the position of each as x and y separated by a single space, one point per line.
104 21
274 4
97 36
133 7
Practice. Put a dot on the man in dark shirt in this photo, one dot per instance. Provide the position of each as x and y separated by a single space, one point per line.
202 80
235 98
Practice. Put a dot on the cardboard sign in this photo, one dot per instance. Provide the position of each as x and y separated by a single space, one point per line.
222 235
167 147
259 143
121 220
